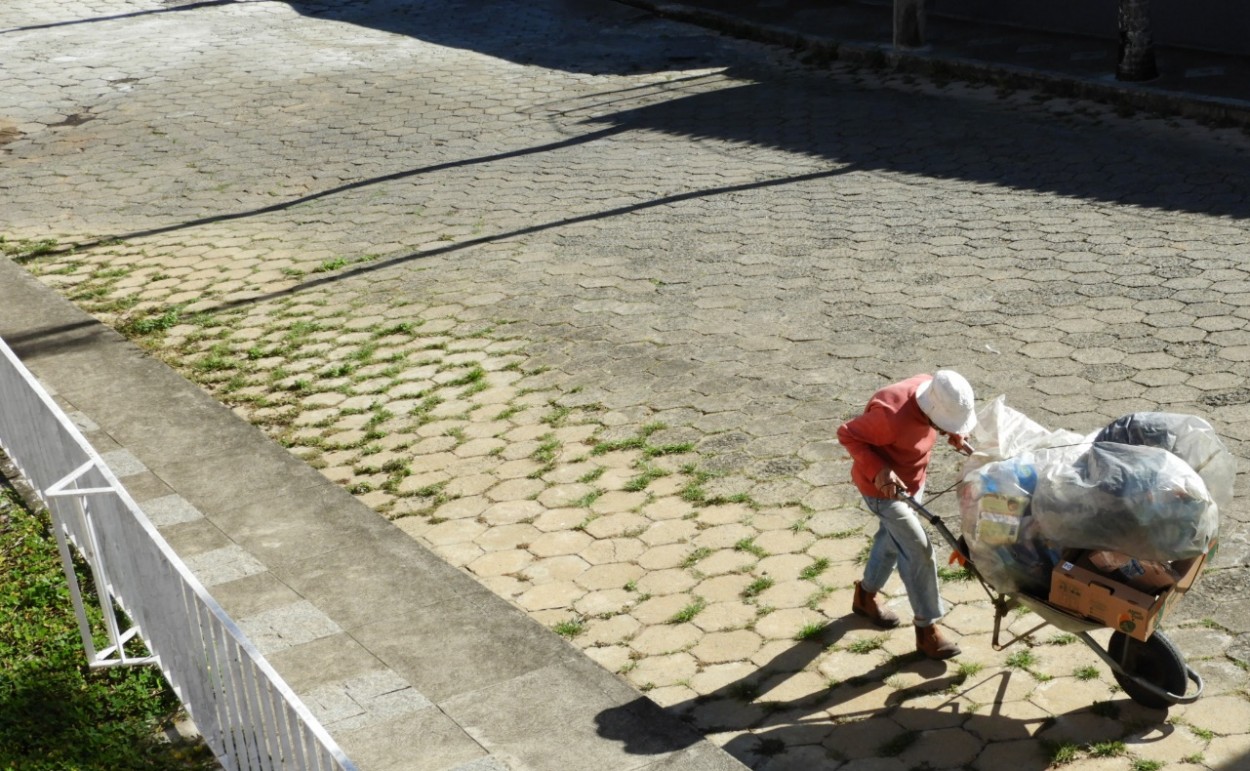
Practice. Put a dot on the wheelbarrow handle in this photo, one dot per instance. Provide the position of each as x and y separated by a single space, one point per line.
936 521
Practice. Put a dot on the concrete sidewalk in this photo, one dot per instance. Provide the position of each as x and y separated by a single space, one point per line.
408 662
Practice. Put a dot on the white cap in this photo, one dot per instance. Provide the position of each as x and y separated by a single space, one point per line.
948 401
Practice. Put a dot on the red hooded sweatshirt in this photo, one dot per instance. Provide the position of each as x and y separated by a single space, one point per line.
892 433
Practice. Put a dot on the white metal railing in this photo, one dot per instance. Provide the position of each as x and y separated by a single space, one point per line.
248 716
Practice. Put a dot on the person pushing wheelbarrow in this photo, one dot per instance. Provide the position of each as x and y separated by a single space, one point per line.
891 445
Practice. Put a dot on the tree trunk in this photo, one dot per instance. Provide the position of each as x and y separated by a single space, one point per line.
1136 59
908 23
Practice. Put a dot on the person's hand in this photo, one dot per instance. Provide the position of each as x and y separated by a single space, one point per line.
959 443
888 483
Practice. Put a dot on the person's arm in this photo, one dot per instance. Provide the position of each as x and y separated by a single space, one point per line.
861 437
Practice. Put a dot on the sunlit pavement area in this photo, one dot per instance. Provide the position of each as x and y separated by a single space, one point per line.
576 298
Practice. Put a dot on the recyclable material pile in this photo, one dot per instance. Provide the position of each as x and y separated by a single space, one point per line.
1139 495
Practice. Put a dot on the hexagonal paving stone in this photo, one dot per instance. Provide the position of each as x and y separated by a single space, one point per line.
564 568
555 595
665 582
663 670
662 639
500 563
558 543
725 647
610 576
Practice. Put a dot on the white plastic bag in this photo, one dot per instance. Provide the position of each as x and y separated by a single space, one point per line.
1141 501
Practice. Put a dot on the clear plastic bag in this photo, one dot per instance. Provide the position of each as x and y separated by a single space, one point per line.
1000 532
1004 432
1150 487
1138 500
1189 438
995 491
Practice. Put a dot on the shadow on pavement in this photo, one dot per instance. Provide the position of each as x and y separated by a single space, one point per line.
930 136
854 129
841 723
945 137
587 36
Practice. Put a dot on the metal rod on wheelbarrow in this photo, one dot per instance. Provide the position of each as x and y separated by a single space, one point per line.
936 521
1001 603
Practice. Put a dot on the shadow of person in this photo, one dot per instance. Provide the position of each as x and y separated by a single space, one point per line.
795 706
744 703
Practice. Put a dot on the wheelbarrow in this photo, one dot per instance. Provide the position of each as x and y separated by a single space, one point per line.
1153 673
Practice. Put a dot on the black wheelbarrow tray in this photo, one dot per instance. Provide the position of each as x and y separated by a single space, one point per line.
1153 673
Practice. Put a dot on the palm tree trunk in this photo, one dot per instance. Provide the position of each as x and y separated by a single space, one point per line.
1136 60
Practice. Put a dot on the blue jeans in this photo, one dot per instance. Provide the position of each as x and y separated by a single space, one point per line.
902 542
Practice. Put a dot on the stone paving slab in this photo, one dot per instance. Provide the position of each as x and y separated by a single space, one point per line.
578 302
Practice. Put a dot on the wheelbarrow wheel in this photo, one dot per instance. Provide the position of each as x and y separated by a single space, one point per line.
1156 661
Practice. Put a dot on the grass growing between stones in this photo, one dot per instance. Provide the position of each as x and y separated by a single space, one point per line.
570 628
689 612
55 712
24 250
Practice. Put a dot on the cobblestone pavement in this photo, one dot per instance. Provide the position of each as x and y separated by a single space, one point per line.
577 297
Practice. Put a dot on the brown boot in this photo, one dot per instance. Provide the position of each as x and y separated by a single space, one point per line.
865 604
930 642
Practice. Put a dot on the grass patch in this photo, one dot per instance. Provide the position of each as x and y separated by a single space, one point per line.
868 644
558 415
749 546
592 475
758 585
818 596
331 265
689 612
639 442
150 324
809 631
948 573
1202 733
693 557
570 628
402 328
816 568
26 249
693 493
1147 765
648 475
474 375
546 450
1108 749
588 499
1086 673
655 451
56 712
1022 659
1061 752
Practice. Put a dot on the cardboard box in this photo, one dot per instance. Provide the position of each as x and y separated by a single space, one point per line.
1079 588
